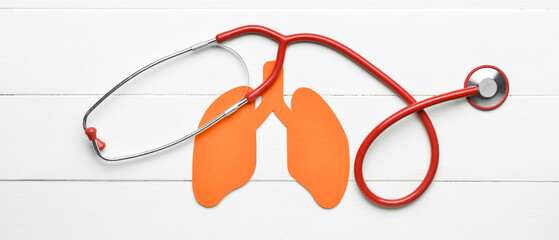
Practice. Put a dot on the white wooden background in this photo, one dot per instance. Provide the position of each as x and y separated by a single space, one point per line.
498 176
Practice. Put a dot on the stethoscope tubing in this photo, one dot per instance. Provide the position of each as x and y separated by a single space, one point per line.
410 109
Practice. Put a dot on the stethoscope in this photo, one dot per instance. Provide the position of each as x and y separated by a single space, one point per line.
486 88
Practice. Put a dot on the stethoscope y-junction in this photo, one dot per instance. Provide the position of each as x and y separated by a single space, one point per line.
486 88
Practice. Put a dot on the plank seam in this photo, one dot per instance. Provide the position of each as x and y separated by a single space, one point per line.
289 9
215 95
351 181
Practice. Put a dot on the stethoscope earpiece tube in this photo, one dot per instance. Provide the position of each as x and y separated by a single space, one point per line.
99 145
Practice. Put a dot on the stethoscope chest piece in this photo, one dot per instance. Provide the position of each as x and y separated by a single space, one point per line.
492 84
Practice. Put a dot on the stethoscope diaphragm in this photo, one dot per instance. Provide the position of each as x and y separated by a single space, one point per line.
492 84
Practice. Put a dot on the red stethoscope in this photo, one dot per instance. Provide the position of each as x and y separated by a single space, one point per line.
486 88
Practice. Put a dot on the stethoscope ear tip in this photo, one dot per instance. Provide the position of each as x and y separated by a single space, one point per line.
492 84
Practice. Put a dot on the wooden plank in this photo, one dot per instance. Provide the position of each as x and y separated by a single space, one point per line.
427 52
288 4
42 138
277 210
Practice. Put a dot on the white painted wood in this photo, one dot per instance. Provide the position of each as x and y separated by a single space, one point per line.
428 52
42 138
498 174
287 4
277 210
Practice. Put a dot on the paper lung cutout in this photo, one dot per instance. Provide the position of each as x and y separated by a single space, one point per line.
317 147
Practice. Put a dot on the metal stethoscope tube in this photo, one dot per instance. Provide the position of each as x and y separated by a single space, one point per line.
99 145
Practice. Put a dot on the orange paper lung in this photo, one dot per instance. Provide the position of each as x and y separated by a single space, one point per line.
317 147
